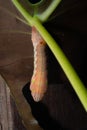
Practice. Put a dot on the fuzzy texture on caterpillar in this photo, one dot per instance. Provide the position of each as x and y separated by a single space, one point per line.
38 84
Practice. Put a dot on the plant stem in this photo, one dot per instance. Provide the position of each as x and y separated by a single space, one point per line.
45 15
71 74
21 9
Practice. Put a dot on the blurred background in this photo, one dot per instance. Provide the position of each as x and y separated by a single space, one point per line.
60 107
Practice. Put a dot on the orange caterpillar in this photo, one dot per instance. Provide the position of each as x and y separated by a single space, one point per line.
38 84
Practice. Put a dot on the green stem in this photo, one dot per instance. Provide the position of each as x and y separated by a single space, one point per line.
71 74
21 9
45 15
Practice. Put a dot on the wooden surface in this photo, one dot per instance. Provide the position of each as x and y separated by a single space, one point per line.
60 107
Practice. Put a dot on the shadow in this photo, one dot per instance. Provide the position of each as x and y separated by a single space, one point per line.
34 2
40 112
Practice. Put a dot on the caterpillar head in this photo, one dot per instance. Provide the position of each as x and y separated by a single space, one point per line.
38 87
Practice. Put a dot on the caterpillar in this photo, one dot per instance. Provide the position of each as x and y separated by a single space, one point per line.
38 84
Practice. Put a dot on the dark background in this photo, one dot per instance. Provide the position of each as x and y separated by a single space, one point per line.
60 107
